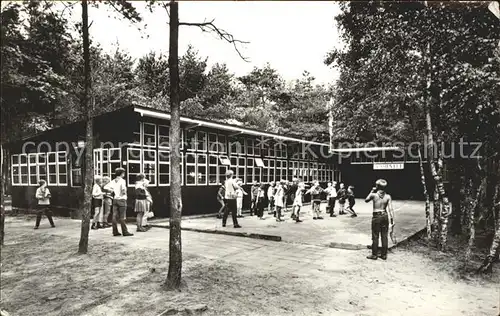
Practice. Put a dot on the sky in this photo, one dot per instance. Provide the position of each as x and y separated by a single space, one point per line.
291 36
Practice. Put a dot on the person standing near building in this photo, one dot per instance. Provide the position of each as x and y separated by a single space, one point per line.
220 199
290 193
149 205
351 200
239 198
253 195
270 197
315 192
230 187
120 203
279 199
140 201
107 202
42 195
383 215
261 195
97 197
297 202
341 196
331 192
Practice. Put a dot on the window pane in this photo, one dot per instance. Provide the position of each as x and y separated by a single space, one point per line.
149 128
163 135
163 156
76 177
164 178
202 141
190 174
63 179
115 154
32 158
202 174
190 159
15 159
222 144
191 140
202 159
133 154
62 168
212 175
23 159
213 160
33 179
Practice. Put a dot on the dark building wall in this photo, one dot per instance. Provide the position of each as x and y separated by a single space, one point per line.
402 184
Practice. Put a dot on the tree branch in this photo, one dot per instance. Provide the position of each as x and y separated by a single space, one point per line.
222 34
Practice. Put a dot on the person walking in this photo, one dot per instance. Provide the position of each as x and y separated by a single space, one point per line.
383 215
331 192
97 197
351 200
239 199
107 202
140 201
253 195
315 192
120 203
230 187
220 199
270 197
279 199
341 196
261 195
297 202
43 196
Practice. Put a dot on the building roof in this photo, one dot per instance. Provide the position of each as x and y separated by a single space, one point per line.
143 111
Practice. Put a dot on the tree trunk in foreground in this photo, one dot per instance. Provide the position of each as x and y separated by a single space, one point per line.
88 178
175 246
426 196
2 193
487 265
472 222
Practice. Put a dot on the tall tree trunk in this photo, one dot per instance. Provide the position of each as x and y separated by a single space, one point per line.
472 223
426 196
487 265
2 194
87 196
175 246
438 181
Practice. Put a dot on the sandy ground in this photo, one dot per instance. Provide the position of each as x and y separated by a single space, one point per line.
43 275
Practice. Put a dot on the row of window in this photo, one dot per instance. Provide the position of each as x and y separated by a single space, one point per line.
150 135
200 169
28 169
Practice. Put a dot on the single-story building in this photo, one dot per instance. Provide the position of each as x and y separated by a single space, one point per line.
137 139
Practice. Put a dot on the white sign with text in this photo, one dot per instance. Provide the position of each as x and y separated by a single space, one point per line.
388 166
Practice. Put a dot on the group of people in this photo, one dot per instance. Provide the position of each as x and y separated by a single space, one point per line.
230 196
277 195
110 197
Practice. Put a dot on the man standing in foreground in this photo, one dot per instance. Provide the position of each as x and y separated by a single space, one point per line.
120 203
382 214
230 186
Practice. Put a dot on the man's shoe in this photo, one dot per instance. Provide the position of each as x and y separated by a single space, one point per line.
383 257
53 226
315 218
372 257
354 215
237 226
320 217
333 215
36 227
117 234
298 221
223 225
93 226
128 234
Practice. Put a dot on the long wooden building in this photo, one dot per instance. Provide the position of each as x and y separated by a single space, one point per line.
137 139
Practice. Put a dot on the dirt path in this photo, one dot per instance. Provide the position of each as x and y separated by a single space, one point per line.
41 275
